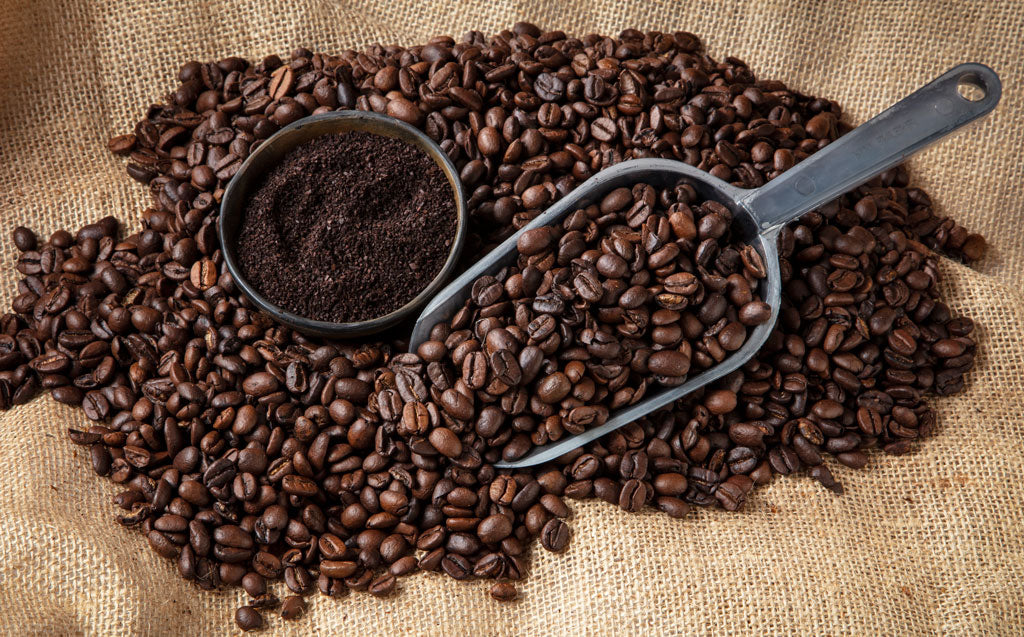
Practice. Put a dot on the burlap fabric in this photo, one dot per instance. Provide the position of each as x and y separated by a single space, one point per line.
929 543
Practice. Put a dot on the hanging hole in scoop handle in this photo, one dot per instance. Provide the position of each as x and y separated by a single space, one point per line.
971 87
951 101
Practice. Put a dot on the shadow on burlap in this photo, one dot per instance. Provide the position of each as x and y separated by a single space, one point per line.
927 543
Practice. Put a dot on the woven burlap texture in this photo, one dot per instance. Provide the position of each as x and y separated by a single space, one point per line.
924 544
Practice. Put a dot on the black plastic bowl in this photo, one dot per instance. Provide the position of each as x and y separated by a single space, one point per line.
272 151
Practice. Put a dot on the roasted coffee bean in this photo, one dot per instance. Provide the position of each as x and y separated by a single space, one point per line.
720 401
674 507
503 592
266 600
248 618
555 535
733 492
445 442
534 241
233 536
299 486
494 528
254 584
455 566
668 363
383 585
503 490
670 484
297 579
632 495
633 465
292 607
24 239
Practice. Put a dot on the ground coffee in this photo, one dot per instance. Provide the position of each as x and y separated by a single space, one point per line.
348 227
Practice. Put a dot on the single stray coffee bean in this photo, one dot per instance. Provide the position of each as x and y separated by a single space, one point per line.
348 227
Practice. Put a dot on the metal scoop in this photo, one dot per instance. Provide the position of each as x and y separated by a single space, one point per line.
958 97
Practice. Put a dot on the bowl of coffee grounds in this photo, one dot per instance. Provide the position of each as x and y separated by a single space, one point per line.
343 224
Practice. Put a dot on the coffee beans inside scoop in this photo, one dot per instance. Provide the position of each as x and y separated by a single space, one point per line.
626 295
251 454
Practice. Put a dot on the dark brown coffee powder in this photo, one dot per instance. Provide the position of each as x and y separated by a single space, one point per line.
347 227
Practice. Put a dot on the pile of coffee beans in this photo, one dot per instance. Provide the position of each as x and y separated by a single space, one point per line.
634 291
249 453
347 227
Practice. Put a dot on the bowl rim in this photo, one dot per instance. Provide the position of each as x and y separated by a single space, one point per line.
233 201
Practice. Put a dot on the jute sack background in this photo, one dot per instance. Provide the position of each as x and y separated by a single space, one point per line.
928 543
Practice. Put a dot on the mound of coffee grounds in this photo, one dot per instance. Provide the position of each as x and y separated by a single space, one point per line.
348 227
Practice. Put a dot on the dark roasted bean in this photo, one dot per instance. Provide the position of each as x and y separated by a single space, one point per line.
292 607
503 592
555 535
248 618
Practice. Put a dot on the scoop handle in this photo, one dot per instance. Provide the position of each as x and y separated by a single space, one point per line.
915 122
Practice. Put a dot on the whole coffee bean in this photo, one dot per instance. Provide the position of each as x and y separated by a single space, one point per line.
732 336
24 239
338 568
292 607
383 585
457 405
248 618
455 566
403 566
670 484
553 388
674 507
633 465
299 486
268 565
604 129
404 110
254 584
555 535
607 490
720 401
534 241
632 495
297 579
233 536
503 592
732 493
668 363
162 544
446 442
494 528
553 482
